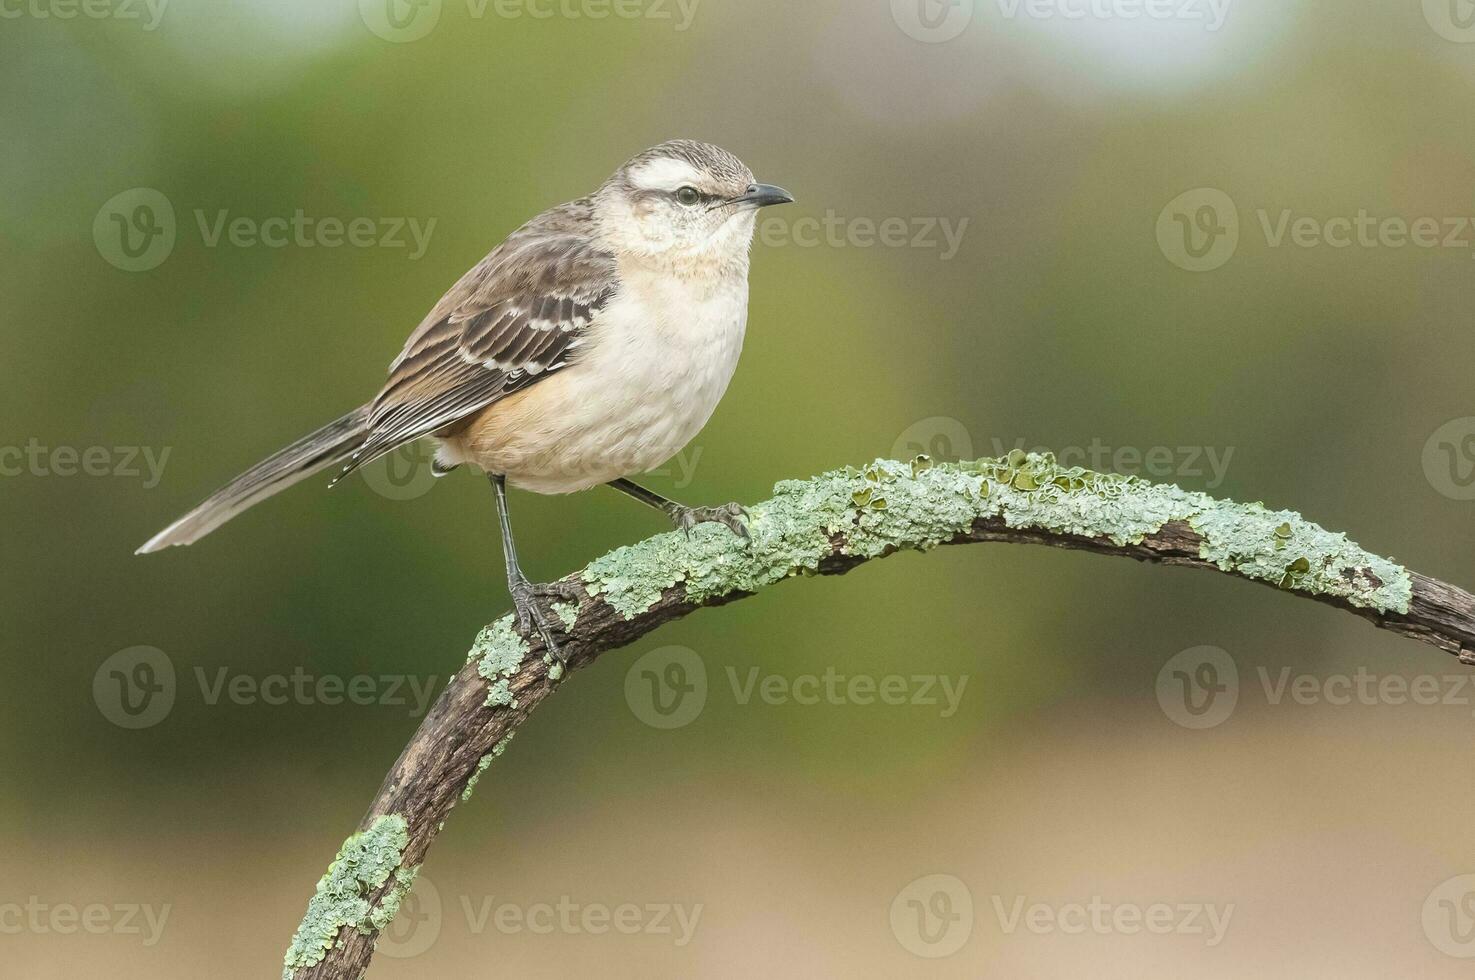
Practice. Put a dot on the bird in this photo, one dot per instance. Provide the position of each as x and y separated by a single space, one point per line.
589 346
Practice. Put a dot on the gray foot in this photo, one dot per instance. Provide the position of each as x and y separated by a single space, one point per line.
734 516
527 602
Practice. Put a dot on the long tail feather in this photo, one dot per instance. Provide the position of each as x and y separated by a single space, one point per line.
331 444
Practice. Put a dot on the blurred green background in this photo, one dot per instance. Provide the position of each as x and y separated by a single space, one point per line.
1334 380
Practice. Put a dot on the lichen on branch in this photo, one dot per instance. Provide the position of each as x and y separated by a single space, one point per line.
888 506
363 866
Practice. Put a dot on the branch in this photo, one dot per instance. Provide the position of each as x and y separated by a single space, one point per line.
826 525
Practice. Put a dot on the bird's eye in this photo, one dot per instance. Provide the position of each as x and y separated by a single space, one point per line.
688 196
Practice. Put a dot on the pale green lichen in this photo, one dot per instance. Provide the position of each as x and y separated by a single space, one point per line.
499 650
483 763
568 612
890 505
363 865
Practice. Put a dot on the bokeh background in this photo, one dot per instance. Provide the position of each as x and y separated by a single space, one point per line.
1084 302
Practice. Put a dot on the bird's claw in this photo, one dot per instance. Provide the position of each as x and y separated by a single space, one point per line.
733 516
531 615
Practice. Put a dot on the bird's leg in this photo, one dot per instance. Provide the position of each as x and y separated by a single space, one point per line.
525 594
685 517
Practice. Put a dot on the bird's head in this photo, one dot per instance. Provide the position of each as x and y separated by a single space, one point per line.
683 203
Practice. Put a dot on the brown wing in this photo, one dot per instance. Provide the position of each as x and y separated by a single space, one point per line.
518 316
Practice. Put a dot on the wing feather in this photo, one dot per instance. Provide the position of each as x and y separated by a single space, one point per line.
516 317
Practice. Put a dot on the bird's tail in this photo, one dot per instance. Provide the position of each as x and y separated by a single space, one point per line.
308 455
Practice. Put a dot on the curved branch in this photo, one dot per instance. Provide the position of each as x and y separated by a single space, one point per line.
826 525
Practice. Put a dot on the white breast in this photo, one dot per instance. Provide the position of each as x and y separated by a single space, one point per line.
650 373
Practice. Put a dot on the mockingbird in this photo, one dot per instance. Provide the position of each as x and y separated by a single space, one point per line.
592 344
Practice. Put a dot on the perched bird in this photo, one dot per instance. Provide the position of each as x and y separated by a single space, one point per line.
591 345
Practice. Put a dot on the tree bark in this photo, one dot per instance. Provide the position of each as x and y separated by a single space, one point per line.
828 526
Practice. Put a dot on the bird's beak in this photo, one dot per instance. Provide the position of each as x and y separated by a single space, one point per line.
761 196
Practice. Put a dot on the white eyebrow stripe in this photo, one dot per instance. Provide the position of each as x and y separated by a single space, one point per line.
664 174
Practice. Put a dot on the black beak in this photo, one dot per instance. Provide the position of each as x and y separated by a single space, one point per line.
761 196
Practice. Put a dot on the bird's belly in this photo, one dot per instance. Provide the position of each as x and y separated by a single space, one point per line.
627 407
